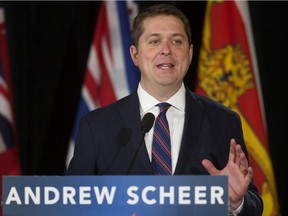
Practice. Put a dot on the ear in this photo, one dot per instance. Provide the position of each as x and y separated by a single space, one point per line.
191 53
134 54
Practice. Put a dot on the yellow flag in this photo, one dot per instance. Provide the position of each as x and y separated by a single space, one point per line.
228 73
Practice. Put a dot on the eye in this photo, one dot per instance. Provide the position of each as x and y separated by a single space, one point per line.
154 41
177 42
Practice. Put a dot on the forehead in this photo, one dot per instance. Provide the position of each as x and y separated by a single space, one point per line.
163 23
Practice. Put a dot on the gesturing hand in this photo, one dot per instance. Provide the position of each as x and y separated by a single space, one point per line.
238 171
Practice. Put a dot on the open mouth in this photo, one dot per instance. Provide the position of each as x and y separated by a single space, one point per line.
165 66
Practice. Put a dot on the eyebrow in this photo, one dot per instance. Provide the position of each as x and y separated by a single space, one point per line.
158 34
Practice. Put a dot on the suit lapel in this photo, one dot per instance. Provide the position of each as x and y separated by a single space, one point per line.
130 114
194 112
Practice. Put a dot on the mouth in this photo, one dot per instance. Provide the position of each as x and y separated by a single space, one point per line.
165 66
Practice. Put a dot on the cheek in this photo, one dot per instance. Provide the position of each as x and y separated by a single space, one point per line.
144 59
187 60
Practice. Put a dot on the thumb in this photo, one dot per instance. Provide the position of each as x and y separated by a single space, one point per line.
210 168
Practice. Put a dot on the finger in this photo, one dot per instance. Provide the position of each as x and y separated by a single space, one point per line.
232 152
238 155
210 168
243 161
248 178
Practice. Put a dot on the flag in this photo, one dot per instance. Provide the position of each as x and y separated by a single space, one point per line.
110 73
228 73
9 161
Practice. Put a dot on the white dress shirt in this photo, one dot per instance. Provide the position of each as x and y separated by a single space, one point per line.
175 117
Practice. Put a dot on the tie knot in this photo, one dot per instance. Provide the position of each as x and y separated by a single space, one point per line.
163 107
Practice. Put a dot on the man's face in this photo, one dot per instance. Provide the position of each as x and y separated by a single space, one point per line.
163 53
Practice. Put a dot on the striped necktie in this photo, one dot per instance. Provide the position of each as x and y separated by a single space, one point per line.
161 146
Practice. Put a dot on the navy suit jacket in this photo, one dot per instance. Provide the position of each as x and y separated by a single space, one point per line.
109 137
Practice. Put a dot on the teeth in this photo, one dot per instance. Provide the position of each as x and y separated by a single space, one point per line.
165 65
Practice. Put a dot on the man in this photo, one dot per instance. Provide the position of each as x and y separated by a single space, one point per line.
110 140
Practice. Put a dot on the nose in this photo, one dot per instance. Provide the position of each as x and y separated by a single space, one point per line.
165 49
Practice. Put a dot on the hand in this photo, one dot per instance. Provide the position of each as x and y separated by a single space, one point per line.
238 171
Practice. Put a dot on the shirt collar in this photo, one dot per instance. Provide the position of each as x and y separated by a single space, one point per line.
147 101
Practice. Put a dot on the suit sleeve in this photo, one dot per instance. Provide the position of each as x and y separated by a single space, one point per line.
253 205
84 158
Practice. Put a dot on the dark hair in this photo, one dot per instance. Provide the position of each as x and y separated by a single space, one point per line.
157 10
